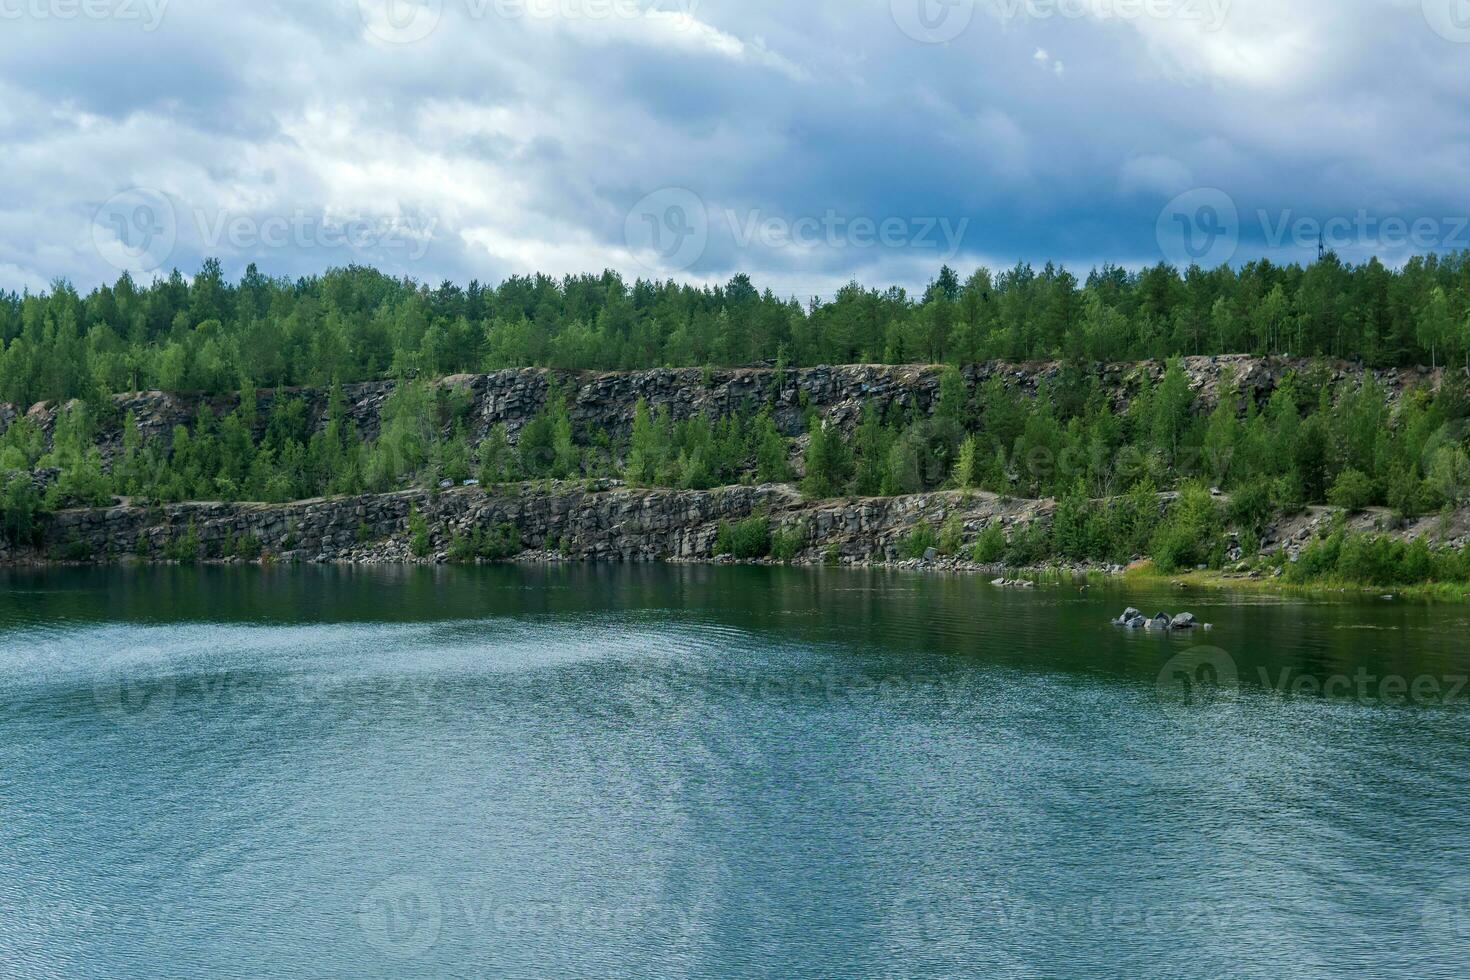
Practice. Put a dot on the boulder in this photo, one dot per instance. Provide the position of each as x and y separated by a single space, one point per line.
1160 622
1183 621
1137 622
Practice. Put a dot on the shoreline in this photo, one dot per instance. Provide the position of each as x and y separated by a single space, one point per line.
603 522
1026 578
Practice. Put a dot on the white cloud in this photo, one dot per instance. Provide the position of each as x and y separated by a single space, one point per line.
523 143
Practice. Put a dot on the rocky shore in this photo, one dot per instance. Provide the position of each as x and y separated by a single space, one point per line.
603 522
600 521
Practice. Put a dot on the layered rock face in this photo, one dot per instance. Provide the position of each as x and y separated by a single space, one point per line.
601 402
599 524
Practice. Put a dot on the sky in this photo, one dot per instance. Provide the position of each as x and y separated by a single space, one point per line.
808 143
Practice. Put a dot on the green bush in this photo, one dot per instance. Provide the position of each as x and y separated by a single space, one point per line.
418 534
747 540
1029 544
1377 560
499 543
918 541
990 547
952 536
787 543
1352 491
1251 508
20 510
1192 533
184 547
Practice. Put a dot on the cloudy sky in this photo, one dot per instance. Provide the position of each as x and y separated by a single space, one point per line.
807 142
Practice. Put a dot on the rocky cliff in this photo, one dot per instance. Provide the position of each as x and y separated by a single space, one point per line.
605 402
602 523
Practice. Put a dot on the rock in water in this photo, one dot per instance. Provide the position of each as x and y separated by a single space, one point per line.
1183 621
1160 622
1129 615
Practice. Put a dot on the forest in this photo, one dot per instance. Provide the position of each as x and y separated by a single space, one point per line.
1345 444
355 324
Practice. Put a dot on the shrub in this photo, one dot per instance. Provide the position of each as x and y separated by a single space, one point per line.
1192 532
418 534
919 541
745 541
1288 496
990 547
20 509
952 536
1352 491
1029 544
499 543
1250 508
184 547
787 543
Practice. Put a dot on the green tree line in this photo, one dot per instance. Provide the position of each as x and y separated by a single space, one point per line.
206 333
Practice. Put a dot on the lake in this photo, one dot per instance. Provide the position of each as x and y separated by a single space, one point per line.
708 772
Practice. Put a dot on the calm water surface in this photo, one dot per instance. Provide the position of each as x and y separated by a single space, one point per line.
721 772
